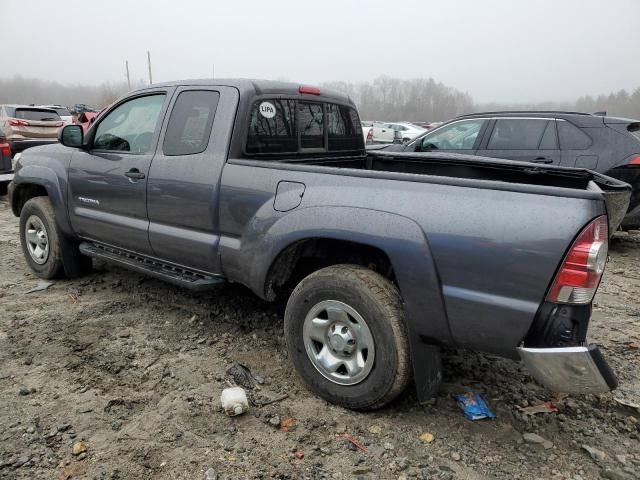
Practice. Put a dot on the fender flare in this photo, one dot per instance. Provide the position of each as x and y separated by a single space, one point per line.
399 237
55 186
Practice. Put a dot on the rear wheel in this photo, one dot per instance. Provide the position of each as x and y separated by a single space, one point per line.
4 189
347 338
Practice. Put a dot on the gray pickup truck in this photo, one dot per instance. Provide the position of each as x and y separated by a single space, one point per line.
383 258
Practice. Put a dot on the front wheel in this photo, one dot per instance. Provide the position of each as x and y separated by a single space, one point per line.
346 336
48 252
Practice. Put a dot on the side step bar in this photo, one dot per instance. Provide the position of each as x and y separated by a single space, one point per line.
177 275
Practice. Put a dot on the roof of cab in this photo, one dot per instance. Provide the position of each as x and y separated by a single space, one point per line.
255 87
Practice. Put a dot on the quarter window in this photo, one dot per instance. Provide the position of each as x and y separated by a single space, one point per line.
190 123
517 134
130 126
571 137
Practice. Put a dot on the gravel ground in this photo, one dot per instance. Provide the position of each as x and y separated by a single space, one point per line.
116 376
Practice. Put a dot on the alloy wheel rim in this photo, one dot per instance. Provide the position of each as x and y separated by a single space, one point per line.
36 239
338 342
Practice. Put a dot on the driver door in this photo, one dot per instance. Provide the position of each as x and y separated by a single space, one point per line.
460 136
108 181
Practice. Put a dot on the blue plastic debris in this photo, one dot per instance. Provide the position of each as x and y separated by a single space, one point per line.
474 406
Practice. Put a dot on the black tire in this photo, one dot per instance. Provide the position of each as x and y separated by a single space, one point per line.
4 189
63 256
378 302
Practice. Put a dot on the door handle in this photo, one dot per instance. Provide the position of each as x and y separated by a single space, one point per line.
135 174
543 160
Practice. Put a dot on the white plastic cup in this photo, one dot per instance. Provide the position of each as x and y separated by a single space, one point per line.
234 401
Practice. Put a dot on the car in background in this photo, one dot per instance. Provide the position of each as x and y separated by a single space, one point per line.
6 169
27 126
602 143
367 131
64 113
85 120
395 132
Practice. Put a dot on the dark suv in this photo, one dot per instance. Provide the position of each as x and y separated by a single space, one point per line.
605 144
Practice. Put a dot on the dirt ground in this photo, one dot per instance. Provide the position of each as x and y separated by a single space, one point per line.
133 369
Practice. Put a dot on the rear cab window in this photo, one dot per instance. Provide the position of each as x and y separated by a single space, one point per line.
299 126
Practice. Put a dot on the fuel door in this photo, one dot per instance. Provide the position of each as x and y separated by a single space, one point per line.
288 195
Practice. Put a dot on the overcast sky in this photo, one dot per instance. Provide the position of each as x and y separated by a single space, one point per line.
502 50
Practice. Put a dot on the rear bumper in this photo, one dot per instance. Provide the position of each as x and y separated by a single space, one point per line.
6 177
570 369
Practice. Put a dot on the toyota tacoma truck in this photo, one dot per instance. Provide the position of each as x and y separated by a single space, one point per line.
383 258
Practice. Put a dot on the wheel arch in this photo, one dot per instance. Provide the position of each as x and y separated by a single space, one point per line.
38 181
396 245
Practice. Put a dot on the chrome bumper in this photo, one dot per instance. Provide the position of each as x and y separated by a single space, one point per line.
6 177
570 369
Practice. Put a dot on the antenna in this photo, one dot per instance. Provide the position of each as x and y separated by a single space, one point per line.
149 62
126 63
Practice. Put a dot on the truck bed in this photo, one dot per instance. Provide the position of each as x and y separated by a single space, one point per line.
502 174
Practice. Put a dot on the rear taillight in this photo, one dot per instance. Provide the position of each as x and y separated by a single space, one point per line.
5 149
635 161
59 124
577 280
14 122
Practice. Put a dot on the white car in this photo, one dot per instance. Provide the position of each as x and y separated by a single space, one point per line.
407 130
395 132
64 112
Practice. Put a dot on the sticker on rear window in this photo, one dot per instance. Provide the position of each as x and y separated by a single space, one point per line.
267 110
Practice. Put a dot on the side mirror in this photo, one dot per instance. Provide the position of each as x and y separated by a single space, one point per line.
71 136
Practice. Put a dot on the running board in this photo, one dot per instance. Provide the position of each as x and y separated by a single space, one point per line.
181 276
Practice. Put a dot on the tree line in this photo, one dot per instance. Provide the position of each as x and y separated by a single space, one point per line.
385 98
421 99
42 92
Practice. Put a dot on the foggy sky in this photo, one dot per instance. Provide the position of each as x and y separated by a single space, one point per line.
496 50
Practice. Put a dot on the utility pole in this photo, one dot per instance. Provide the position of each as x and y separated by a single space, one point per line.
149 62
128 78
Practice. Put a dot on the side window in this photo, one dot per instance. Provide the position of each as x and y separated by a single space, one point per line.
190 123
130 127
455 136
272 127
571 137
517 134
311 124
550 137
343 128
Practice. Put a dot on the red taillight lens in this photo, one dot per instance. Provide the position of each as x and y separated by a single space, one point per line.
309 90
59 124
578 278
635 161
14 122
5 149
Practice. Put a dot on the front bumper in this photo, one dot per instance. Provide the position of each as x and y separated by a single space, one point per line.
6 177
570 369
